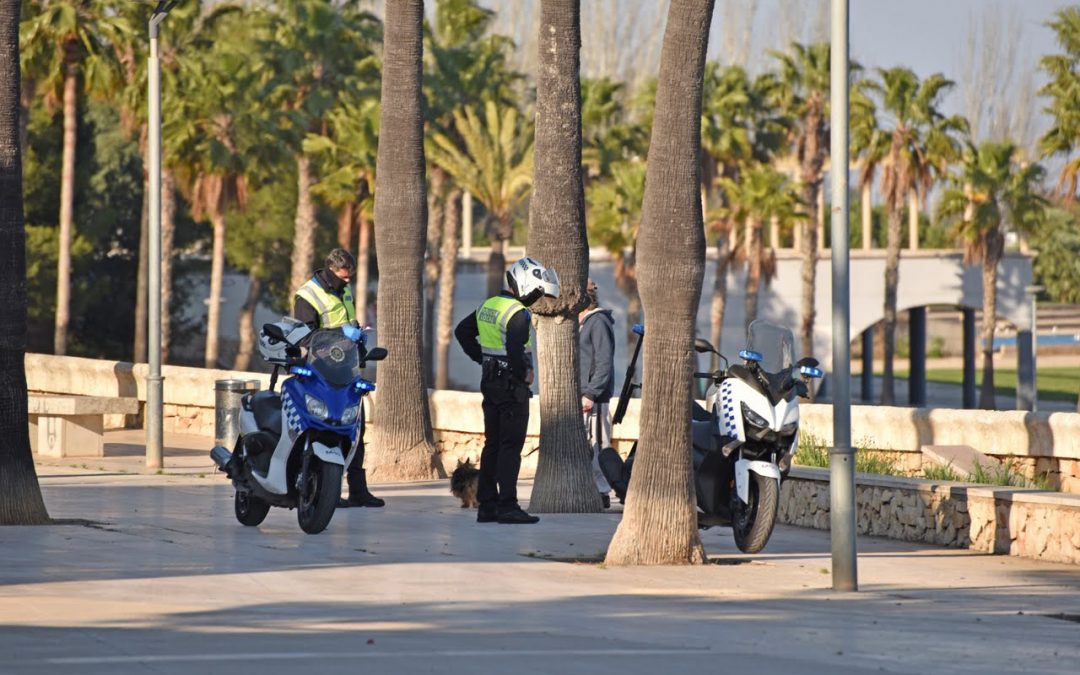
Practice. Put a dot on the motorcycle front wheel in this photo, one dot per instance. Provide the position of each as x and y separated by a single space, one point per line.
752 523
320 490
250 510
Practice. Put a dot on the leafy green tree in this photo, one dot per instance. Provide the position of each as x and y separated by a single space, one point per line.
20 493
614 216
761 194
1057 267
921 141
63 42
804 96
314 52
659 524
869 145
991 189
1063 92
494 163
608 134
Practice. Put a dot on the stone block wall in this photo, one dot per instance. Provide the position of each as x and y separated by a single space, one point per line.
1025 523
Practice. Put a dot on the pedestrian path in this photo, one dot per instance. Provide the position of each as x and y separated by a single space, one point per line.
153 574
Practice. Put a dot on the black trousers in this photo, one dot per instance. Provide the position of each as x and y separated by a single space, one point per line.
354 472
506 419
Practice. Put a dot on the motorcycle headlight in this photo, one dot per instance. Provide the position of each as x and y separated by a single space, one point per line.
349 416
753 418
789 428
315 407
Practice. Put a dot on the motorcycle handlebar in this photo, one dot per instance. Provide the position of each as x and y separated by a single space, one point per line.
710 376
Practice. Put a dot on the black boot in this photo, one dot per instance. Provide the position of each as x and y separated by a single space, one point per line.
358 492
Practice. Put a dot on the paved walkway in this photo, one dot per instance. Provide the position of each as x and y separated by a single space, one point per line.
160 578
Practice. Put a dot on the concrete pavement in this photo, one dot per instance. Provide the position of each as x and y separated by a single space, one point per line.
160 578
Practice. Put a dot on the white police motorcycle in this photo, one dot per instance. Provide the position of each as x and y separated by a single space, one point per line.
294 446
744 439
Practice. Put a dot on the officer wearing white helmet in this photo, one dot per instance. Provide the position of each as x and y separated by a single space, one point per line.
497 336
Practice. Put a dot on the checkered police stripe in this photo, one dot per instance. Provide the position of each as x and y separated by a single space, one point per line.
288 409
727 408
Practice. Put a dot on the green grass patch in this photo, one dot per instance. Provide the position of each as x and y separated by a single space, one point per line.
943 472
814 453
1055 384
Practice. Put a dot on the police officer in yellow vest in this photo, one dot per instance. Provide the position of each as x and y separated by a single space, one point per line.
497 336
326 301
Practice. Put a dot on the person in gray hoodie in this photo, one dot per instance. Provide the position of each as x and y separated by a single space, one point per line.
597 354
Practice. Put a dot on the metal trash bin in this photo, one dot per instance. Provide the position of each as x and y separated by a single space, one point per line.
227 395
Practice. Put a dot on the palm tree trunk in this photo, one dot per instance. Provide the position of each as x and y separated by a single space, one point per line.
403 448
809 276
346 225
564 480
659 524
436 216
496 264
867 218
168 235
913 220
217 276
20 498
993 250
447 281
303 253
753 270
888 325
246 323
67 204
626 282
142 273
719 295
363 261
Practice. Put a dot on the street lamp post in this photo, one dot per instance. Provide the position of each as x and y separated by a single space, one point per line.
842 456
154 380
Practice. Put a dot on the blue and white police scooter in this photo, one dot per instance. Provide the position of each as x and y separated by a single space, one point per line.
294 446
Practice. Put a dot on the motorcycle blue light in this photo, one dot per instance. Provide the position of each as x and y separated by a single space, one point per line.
364 385
300 370
747 355
639 328
810 371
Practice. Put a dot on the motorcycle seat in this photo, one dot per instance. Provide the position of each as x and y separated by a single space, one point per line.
699 414
266 406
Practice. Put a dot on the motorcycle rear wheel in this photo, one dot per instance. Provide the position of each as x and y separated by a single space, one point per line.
319 494
752 523
249 509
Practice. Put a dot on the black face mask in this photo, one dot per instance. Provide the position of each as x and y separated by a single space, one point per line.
336 283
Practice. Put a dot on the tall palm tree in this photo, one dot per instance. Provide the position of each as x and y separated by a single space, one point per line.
991 189
869 144
762 194
564 481
314 52
659 525
614 218
403 447
920 139
1063 92
68 40
804 76
20 493
494 163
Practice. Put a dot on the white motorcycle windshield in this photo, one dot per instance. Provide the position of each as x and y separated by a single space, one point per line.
775 344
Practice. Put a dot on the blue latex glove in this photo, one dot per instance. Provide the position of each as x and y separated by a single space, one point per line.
353 333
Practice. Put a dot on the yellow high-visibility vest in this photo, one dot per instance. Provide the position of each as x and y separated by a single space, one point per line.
491 320
333 311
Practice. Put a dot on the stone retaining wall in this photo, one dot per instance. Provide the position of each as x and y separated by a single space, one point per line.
1025 523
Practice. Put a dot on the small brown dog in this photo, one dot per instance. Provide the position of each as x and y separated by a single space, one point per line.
463 483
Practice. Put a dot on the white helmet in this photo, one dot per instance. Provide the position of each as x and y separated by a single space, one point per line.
278 341
529 281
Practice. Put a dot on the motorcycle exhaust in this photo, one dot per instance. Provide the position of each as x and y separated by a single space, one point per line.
221 457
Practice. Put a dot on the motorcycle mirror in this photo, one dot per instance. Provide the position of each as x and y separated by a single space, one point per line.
273 330
809 371
703 346
639 328
807 361
747 355
376 354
